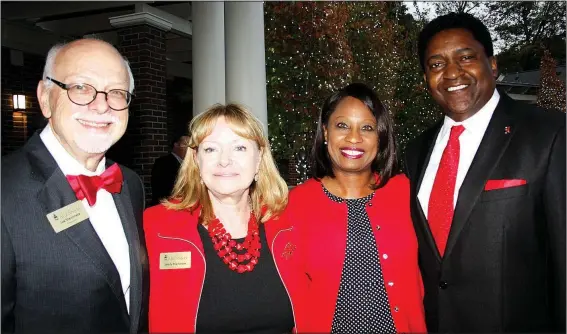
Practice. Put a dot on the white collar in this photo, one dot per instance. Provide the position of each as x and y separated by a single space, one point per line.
177 157
68 164
477 123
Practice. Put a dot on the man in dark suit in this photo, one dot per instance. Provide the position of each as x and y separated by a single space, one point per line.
73 249
488 193
164 171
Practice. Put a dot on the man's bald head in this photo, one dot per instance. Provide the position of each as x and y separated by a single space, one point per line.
56 52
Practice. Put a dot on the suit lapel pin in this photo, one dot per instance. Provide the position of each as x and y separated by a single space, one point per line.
507 130
288 250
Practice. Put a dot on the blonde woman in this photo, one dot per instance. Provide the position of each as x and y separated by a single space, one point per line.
215 246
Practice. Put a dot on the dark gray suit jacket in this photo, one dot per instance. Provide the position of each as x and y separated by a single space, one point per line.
164 174
504 264
65 282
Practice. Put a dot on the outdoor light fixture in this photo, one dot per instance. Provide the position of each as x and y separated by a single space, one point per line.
19 102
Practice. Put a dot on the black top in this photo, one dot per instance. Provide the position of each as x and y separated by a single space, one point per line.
252 302
362 303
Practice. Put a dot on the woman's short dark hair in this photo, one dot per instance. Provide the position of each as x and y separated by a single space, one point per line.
385 162
454 21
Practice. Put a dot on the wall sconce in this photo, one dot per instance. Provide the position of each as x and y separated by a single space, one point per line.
19 102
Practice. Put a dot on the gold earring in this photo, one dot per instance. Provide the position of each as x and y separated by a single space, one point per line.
256 177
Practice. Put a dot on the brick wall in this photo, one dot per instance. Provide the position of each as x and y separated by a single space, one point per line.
146 138
17 127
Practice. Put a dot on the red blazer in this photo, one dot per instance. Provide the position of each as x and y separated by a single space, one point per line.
319 230
175 293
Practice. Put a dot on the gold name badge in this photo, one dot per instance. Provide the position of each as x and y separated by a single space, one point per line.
67 216
175 260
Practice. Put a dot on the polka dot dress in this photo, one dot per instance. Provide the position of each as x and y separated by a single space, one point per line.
362 304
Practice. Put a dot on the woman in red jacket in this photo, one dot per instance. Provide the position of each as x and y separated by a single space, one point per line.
354 238
214 247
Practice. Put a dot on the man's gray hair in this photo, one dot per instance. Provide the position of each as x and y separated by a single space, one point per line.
54 51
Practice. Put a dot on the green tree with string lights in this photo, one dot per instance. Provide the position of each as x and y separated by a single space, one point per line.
415 110
315 48
552 88
306 59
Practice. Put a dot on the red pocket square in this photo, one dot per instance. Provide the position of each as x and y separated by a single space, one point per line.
500 184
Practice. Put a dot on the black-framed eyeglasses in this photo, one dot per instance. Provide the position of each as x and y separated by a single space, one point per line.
83 94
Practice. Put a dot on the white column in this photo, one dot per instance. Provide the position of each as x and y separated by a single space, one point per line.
245 56
208 54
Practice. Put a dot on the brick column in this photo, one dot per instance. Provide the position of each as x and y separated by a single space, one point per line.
144 47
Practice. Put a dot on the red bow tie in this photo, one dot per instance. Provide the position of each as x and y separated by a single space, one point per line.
87 186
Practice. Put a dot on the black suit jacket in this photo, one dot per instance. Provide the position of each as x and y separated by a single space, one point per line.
504 264
164 174
66 281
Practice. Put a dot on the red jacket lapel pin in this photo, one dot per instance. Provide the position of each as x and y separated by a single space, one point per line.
288 250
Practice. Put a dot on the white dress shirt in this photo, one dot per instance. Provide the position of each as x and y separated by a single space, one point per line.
103 215
178 158
470 139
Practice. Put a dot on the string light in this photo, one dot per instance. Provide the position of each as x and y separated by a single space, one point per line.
552 88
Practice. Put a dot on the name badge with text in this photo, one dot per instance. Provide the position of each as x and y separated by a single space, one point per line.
67 216
175 260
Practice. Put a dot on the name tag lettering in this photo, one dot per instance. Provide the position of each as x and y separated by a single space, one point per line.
67 216
175 260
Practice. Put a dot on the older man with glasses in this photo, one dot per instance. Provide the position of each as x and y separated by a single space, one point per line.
73 253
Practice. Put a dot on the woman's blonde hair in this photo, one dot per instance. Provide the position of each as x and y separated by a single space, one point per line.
268 194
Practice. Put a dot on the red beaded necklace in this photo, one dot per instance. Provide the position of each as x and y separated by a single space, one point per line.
225 246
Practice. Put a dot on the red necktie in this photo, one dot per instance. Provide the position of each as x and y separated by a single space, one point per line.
440 209
87 186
